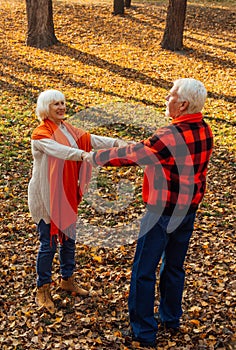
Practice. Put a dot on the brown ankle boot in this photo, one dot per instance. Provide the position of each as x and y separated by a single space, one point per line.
71 285
43 298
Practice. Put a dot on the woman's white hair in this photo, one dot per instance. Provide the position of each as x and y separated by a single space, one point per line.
44 100
193 91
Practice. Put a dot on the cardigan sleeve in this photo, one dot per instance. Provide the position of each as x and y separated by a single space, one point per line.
56 149
102 142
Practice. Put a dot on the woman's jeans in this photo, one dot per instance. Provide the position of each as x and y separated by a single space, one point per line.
47 250
154 243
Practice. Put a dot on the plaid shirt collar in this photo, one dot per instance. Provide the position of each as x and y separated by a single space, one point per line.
190 118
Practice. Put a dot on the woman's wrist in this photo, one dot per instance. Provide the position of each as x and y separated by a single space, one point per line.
82 155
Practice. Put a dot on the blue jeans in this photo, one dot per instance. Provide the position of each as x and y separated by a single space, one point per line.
46 254
154 243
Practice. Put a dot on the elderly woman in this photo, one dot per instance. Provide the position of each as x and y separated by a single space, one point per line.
59 178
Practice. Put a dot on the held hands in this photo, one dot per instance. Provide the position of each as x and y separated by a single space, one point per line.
88 157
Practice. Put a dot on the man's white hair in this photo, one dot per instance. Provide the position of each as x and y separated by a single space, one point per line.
193 91
45 99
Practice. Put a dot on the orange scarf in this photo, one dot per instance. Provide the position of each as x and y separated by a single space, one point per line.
63 177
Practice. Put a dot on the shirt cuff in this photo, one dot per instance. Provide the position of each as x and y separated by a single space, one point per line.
94 158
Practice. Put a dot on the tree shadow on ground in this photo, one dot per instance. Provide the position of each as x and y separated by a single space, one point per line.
19 87
128 73
215 21
93 60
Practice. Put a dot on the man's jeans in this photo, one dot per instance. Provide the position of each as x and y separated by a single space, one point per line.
47 250
153 244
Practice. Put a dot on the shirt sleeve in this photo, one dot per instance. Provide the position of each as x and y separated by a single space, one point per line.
102 142
55 149
137 154
154 150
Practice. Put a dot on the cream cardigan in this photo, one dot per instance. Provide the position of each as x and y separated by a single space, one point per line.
38 189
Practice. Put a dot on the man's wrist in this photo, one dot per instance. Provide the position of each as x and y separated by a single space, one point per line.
94 159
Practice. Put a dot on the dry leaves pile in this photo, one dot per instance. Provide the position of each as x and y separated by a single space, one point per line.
103 61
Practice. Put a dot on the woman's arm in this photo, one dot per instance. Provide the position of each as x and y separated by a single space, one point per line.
55 149
104 142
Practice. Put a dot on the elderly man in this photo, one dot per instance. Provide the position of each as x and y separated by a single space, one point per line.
175 159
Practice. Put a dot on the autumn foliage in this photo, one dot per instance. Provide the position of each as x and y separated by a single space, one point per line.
113 67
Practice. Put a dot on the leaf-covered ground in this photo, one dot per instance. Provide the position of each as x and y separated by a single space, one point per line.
113 68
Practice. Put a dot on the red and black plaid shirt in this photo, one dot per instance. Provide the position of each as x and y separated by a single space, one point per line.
175 160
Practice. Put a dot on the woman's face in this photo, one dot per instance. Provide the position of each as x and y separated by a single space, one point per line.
57 111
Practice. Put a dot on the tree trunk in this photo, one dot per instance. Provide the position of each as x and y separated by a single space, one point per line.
119 7
128 3
173 34
40 23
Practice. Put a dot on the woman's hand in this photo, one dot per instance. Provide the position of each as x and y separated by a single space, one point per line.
87 157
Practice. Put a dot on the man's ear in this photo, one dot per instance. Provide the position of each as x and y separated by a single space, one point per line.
184 106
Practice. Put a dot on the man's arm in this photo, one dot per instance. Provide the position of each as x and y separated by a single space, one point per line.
137 154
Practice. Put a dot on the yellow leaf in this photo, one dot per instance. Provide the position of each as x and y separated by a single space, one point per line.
194 309
196 322
122 248
117 334
171 343
38 331
97 258
28 313
98 340
203 303
211 337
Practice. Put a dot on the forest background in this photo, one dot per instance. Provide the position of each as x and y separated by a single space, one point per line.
115 77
